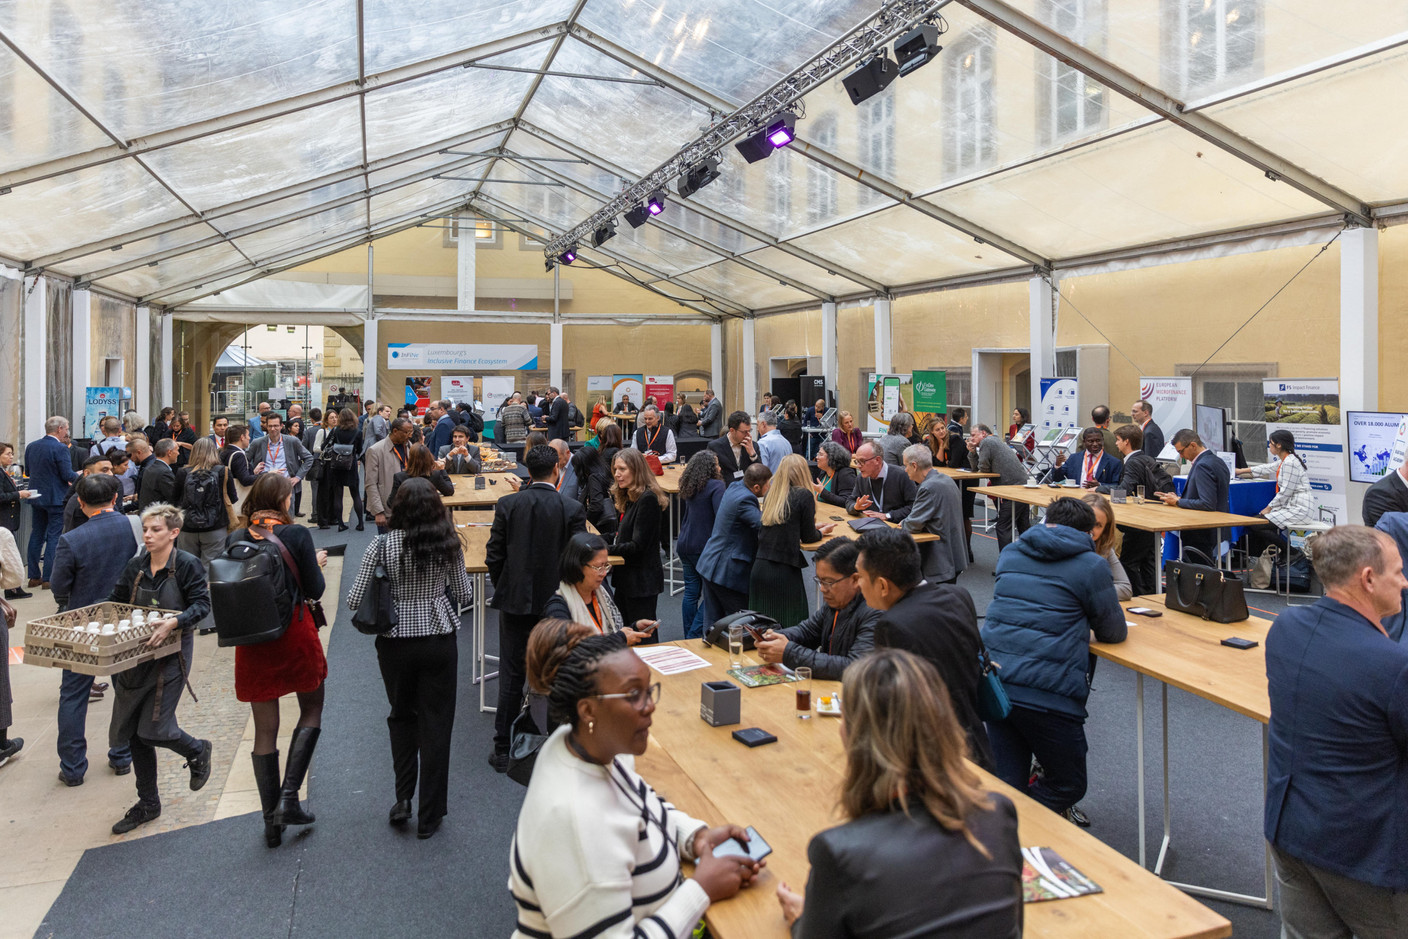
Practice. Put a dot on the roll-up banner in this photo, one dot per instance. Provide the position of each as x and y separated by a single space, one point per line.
1310 409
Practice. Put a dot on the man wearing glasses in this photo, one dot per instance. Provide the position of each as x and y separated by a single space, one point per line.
882 491
1208 483
840 631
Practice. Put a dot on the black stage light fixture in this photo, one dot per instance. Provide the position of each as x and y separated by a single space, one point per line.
638 216
604 234
917 48
656 203
697 178
568 256
754 147
778 132
873 77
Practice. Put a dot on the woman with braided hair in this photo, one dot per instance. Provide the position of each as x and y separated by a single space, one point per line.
596 851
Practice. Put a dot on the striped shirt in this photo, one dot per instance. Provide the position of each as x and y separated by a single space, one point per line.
1293 502
423 604
597 853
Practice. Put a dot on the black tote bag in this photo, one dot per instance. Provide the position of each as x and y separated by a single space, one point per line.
1204 590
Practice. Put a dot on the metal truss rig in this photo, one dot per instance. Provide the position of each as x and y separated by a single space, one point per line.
890 21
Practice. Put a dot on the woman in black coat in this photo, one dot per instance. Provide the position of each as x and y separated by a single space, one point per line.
594 489
776 587
336 479
838 479
421 464
790 427
10 494
640 500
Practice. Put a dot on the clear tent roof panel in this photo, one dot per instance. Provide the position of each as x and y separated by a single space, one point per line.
143 67
278 208
76 208
400 33
134 251
426 193
42 125
264 156
743 284
174 271
788 265
307 230
1321 123
735 50
1161 181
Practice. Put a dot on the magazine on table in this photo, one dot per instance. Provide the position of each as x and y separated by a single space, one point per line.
1048 876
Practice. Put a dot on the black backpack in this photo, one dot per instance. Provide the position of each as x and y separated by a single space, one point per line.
203 505
250 594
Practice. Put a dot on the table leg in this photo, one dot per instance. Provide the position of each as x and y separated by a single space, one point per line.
480 660
1139 750
676 587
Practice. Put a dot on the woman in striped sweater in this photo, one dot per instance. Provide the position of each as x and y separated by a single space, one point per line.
597 852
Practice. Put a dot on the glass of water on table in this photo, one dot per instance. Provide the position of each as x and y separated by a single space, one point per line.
803 688
735 646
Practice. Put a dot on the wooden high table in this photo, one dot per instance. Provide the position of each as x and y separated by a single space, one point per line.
826 513
706 773
1186 652
466 496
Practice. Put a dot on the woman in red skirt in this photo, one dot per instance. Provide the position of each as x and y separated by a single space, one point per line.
292 664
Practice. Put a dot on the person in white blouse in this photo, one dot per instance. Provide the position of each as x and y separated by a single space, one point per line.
596 851
1292 502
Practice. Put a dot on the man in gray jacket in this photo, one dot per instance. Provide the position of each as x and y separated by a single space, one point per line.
278 452
938 510
711 415
988 454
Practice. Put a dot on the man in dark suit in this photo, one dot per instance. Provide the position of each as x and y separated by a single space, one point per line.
1389 494
726 563
559 415
90 559
530 529
278 452
958 459
1207 489
456 455
73 509
711 410
938 510
50 470
934 621
1338 764
1153 443
1137 553
444 425
624 406
735 449
158 478
882 490
1094 468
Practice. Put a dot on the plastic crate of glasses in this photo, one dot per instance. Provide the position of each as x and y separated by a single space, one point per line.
102 639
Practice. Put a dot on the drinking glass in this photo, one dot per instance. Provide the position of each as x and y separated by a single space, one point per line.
735 646
1139 494
803 687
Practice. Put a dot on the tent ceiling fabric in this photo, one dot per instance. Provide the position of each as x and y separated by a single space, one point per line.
132 163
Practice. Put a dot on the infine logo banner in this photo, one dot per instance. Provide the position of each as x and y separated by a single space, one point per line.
411 356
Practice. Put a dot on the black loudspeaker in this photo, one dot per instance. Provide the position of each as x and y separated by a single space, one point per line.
813 388
871 78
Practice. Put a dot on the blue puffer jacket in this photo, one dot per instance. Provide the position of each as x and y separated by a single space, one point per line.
1395 525
1052 589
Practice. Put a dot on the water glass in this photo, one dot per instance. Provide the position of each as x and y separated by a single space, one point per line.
1139 494
735 646
803 688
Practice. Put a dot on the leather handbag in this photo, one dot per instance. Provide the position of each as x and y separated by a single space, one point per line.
993 703
717 634
377 613
653 461
527 735
1204 590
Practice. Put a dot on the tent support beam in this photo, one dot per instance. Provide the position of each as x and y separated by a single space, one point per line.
1116 79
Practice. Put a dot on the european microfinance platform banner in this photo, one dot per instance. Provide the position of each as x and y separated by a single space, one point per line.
1172 401
459 356
1310 409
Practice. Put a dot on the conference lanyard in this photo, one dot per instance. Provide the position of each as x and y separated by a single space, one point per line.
1089 467
596 613
276 449
399 457
831 641
1279 467
650 444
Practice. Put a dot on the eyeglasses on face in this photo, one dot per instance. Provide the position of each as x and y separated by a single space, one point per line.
600 568
828 584
637 697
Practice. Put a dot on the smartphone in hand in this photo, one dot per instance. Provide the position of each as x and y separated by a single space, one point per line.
755 848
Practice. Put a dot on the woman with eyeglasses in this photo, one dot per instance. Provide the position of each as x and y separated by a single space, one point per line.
1293 501
621 877
838 478
583 597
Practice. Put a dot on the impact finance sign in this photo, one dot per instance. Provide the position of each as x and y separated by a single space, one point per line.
413 356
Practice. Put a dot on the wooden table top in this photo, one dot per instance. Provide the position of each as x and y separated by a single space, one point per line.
789 791
825 514
466 496
670 482
1151 516
1186 652
952 473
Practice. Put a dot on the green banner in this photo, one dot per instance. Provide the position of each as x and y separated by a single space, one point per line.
931 392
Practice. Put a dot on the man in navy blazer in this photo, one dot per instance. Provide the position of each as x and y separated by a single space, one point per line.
90 560
1337 777
1094 467
444 425
50 470
1208 482
726 564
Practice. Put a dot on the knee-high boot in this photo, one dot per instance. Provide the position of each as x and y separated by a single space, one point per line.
300 754
266 777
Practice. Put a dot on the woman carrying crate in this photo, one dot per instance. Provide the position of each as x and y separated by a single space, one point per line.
144 711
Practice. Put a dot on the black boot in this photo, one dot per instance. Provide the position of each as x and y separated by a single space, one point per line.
300 754
266 777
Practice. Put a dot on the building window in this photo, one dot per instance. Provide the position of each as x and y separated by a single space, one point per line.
876 128
960 387
780 194
821 182
970 140
486 233
1072 105
1211 44
1239 389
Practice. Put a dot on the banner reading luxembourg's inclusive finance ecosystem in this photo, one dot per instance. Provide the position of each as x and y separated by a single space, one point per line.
1310 409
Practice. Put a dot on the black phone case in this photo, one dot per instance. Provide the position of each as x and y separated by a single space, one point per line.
753 737
1234 642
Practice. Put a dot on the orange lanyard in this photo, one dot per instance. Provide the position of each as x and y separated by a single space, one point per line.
399 457
1278 474
596 613
1089 466
831 642
650 444
275 449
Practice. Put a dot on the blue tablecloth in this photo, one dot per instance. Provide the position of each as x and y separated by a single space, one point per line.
1244 497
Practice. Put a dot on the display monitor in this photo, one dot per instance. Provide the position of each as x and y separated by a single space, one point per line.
1211 425
1372 437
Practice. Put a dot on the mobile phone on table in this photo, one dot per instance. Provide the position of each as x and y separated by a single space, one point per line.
1236 643
479 482
755 848
1145 611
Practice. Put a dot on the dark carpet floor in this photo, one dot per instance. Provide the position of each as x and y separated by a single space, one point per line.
352 874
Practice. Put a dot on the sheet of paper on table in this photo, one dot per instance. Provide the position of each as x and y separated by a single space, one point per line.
670 660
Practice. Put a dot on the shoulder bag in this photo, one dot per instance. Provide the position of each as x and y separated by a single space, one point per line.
1204 590
529 732
993 703
314 607
377 613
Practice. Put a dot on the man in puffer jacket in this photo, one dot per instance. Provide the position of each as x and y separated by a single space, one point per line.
1052 590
